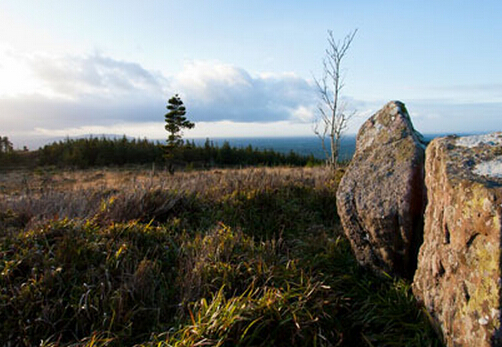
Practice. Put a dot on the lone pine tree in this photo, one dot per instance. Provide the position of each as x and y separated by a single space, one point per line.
175 123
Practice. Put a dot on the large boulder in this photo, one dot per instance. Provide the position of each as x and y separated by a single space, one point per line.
381 198
459 267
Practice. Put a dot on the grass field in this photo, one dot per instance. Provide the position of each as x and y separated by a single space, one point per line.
251 257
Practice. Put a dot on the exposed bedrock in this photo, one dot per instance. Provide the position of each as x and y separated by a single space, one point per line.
381 198
459 267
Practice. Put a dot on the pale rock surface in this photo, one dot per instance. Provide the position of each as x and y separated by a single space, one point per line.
459 267
493 139
381 198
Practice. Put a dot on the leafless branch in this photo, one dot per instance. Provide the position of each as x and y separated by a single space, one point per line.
332 112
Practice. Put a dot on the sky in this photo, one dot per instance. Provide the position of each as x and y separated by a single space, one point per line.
242 68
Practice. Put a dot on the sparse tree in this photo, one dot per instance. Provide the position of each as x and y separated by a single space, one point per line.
333 116
175 123
7 153
5 145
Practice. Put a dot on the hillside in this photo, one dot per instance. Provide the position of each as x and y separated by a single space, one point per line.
251 257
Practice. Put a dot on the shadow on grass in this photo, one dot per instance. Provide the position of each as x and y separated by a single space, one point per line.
249 268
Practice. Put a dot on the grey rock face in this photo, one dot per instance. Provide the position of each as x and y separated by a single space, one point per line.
381 198
459 272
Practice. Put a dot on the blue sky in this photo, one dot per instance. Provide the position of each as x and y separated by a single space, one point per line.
243 68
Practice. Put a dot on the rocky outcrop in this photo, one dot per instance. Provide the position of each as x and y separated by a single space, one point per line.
381 198
459 268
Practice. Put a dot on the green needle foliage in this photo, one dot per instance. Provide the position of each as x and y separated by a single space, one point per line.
175 123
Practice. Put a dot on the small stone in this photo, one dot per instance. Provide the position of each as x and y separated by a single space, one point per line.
483 321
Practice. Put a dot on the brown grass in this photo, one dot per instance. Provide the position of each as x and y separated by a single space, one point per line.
251 257
38 196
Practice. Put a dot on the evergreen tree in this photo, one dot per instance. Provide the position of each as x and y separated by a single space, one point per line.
6 150
175 123
5 145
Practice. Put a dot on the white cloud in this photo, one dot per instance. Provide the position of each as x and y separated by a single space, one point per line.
208 82
304 113
43 94
93 76
216 91
16 78
69 92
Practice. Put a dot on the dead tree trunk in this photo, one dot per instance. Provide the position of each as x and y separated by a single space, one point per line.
333 117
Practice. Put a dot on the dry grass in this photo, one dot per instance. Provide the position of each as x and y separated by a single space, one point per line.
215 181
123 195
251 257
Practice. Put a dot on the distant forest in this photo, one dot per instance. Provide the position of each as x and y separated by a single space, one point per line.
101 151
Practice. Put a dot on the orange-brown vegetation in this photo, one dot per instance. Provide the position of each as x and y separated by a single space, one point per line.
250 257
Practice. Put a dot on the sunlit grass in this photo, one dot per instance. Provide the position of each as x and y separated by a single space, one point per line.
250 257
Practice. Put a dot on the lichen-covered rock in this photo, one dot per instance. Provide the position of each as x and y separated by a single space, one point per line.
459 268
381 198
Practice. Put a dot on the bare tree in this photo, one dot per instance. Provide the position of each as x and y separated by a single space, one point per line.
333 119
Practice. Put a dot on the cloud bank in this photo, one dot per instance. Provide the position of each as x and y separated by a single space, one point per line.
43 96
216 91
69 92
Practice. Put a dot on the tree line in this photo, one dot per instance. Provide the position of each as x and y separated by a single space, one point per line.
102 151
94 151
